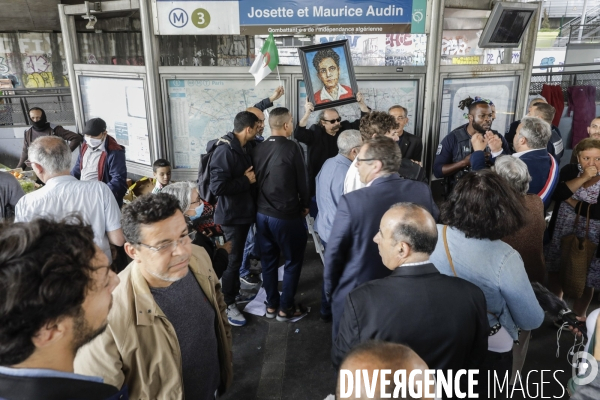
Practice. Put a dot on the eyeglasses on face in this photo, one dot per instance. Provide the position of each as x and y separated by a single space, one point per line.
28 163
333 121
359 160
171 245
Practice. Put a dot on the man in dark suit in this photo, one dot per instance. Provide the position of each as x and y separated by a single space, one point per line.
530 143
411 146
443 319
351 256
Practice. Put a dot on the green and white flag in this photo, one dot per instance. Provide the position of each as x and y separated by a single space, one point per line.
266 61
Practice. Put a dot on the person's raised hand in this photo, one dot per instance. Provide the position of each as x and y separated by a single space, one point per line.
277 94
360 98
226 246
494 142
308 107
250 175
478 142
590 172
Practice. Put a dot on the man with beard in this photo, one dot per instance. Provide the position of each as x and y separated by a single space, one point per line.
54 300
168 335
41 127
452 158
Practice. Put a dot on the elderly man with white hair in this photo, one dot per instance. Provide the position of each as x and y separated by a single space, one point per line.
530 143
63 194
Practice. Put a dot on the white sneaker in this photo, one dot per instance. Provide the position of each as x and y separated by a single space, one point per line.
235 317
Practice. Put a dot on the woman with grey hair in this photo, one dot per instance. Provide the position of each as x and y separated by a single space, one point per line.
197 214
527 241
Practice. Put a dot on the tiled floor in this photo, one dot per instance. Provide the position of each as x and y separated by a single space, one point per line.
276 360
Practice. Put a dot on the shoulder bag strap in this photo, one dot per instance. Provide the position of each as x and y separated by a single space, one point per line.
577 211
587 225
452 264
448 251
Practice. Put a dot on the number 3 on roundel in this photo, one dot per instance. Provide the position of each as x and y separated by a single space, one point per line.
200 18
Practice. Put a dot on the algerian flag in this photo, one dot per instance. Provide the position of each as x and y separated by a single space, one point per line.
267 60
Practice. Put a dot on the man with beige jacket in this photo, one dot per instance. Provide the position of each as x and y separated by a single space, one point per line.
168 335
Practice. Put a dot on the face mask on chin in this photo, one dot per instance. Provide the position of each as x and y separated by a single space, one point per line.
199 211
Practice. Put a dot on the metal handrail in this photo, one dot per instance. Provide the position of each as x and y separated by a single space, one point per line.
12 96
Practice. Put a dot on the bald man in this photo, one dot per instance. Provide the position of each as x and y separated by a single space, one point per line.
442 318
377 355
261 106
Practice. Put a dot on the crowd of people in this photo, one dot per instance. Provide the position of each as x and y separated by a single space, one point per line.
396 263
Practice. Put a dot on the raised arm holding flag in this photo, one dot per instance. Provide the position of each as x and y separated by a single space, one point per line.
266 61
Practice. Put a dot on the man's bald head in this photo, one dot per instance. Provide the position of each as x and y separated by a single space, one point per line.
52 153
413 224
377 355
261 119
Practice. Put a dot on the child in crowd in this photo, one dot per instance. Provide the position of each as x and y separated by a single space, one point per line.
162 174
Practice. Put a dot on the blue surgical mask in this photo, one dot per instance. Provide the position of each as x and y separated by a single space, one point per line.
199 211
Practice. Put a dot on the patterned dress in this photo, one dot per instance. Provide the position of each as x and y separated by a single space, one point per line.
564 226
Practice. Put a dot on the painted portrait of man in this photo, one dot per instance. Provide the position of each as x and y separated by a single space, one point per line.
327 66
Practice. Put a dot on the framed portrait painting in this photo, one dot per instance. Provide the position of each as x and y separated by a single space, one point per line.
328 74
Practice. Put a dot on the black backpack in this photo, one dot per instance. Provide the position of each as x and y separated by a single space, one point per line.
204 170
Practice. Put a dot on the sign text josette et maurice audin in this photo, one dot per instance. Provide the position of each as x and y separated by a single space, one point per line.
315 12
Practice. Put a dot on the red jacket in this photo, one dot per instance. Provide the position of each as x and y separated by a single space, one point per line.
348 95
112 169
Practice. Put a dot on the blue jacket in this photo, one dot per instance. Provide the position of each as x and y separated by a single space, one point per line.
498 270
542 167
235 204
112 169
351 257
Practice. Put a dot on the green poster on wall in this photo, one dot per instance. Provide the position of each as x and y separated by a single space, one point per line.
419 11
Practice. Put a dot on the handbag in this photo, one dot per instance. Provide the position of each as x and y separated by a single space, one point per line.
494 329
576 255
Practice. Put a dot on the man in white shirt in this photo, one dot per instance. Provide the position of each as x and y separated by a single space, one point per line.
64 195
373 125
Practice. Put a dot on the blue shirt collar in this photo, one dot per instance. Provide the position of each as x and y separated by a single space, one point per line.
47 373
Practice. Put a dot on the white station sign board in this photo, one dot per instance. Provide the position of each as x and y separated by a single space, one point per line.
196 17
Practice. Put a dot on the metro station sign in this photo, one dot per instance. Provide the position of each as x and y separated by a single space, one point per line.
192 17
334 16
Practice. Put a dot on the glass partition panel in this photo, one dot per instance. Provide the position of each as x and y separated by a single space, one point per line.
121 103
501 90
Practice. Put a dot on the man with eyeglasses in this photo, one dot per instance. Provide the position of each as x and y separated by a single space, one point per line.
168 335
63 195
321 138
351 257
411 146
